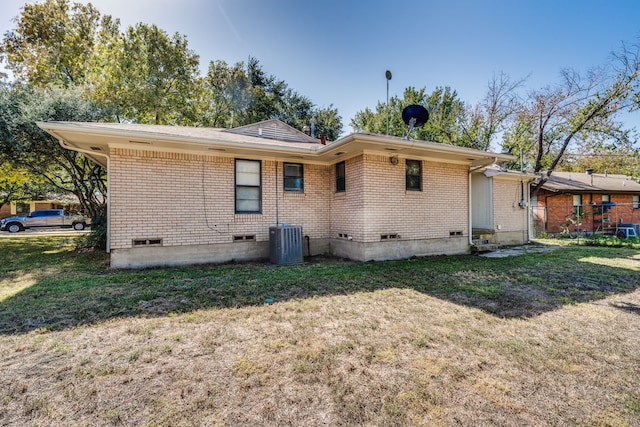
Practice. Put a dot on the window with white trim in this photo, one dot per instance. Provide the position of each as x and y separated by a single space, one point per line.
248 186
577 205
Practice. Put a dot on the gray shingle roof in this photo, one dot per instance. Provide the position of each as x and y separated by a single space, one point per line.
273 129
575 182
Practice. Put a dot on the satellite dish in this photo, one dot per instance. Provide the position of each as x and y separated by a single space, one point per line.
416 112
414 116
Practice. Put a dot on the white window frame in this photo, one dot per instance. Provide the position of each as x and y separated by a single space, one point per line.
248 180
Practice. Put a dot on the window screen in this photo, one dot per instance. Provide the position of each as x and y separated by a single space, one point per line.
248 186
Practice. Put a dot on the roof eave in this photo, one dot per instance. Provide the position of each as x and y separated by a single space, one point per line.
82 137
395 145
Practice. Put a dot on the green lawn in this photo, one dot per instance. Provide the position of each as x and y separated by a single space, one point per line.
46 284
537 339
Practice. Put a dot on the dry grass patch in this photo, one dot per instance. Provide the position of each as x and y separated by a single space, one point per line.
345 361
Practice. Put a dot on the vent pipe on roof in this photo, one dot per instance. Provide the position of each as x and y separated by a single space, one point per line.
323 138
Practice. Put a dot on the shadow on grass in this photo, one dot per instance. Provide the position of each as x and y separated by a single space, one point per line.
45 284
627 306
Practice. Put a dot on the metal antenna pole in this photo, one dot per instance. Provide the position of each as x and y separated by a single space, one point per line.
412 124
388 76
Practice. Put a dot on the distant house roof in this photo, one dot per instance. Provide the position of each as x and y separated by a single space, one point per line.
575 182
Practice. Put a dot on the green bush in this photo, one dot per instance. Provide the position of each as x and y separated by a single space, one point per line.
97 238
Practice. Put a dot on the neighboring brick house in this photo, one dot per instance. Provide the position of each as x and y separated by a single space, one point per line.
24 207
586 202
180 195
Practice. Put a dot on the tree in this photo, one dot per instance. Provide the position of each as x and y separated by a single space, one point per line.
624 159
243 93
451 121
29 148
148 76
328 122
445 112
483 123
225 94
53 42
445 115
18 184
577 111
143 74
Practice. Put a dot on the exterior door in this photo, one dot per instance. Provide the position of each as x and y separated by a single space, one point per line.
481 202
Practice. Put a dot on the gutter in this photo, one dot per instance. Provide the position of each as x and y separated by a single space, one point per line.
205 143
485 159
315 150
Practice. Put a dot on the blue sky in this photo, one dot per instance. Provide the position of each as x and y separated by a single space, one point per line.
337 51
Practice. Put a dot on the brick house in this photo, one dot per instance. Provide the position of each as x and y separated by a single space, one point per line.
586 202
25 206
180 195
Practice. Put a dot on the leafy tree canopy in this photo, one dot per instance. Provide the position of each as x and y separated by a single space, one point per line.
28 148
53 42
243 93
447 117
17 184
146 75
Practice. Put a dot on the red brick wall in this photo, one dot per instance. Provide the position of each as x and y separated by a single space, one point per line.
559 207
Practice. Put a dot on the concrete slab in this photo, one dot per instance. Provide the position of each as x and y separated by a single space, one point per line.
518 250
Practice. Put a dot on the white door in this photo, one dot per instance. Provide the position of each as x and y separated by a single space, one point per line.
481 202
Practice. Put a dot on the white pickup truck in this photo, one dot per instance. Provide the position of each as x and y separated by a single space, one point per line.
43 218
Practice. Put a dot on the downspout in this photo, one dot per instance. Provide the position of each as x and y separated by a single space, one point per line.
525 201
93 153
528 211
277 212
470 210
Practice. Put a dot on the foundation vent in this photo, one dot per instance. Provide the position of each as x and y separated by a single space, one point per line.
245 238
147 242
392 236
